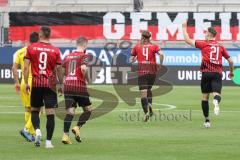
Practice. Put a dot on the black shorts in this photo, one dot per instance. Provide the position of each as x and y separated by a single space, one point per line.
146 81
211 82
71 100
43 96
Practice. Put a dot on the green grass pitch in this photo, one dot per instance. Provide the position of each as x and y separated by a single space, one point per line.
117 136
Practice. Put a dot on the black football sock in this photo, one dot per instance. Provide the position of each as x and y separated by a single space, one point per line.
205 109
35 119
144 102
50 126
67 123
149 95
218 98
83 118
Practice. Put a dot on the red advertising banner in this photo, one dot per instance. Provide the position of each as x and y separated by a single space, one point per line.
125 25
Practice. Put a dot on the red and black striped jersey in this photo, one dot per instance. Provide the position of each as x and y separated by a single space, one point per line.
44 58
212 53
146 57
75 81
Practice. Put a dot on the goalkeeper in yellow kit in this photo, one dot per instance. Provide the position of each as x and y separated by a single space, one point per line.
28 131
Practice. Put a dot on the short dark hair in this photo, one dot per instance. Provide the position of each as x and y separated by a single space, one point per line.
46 31
146 34
34 37
212 31
81 41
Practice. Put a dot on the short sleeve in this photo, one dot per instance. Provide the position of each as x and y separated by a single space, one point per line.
225 53
58 57
157 48
85 59
134 51
16 58
28 53
200 44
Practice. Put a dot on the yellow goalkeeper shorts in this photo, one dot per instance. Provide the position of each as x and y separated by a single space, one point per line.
25 96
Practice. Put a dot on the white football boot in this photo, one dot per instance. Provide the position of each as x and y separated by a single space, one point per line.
48 144
207 125
38 137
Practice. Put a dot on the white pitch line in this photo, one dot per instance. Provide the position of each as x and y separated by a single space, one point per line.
2 106
138 102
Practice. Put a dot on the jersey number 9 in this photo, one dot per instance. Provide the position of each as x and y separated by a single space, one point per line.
43 61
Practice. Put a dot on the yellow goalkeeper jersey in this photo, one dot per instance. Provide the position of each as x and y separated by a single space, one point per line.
19 59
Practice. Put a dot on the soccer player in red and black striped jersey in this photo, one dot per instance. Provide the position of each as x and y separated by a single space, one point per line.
211 68
145 53
75 89
44 59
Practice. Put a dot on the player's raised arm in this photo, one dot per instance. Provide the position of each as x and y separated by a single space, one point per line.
187 39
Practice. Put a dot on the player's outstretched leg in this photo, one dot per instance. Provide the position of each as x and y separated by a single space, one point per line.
50 125
216 101
67 124
149 95
36 124
205 109
82 120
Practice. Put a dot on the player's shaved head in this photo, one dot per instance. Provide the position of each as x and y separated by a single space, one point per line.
34 37
45 32
82 41
212 31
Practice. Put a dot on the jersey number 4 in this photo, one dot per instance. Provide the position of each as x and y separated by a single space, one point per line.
145 53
